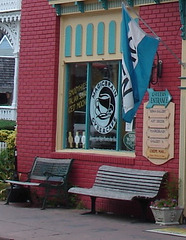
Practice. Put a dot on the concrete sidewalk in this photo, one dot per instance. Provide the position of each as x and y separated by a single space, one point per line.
24 223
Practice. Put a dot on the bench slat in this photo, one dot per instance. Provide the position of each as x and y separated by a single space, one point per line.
134 190
132 184
127 180
127 187
145 177
131 171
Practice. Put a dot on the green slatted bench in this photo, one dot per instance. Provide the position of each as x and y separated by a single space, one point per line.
47 173
123 184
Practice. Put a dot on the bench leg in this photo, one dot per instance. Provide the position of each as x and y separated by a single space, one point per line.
93 205
45 198
144 207
9 195
64 192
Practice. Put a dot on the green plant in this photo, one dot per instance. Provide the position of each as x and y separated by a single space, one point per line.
165 203
8 136
7 159
6 164
75 202
7 124
171 187
3 189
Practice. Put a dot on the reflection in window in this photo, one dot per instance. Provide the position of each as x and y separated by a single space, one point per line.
76 106
94 110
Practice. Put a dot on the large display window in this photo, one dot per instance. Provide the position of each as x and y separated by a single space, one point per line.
93 109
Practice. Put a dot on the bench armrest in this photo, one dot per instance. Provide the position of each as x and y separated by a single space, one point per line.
16 175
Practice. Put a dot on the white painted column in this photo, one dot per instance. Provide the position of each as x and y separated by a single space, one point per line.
16 71
182 148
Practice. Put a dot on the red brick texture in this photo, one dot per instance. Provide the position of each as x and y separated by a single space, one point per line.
164 19
37 98
38 77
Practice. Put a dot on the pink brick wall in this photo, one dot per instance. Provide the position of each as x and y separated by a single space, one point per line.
38 76
164 19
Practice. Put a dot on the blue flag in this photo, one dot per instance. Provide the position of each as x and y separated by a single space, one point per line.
139 50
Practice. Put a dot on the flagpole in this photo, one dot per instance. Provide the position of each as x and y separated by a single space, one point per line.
173 54
165 45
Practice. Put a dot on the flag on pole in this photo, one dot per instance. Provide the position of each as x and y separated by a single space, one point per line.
138 52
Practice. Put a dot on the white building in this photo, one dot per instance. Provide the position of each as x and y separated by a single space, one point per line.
10 15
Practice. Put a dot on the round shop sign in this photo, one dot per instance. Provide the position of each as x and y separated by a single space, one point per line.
129 140
103 106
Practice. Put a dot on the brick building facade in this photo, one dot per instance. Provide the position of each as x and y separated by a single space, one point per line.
40 114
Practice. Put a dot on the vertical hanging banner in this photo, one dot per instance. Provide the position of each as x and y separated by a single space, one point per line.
158 127
139 50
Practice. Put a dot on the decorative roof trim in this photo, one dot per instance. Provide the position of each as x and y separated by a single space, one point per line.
70 7
104 4
63 1
10 17
130 2
10 5
80 5
157 1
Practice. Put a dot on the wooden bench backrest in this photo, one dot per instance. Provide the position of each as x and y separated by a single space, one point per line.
54 166
123 179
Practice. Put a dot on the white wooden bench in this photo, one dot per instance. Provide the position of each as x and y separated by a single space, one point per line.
123 184
47 173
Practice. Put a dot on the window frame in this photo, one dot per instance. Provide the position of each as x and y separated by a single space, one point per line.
87 117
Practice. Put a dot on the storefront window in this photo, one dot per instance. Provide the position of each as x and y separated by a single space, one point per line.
93 116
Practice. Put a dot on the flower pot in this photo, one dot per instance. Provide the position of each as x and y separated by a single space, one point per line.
167 216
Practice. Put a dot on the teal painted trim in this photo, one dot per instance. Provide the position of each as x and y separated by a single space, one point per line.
58 9
112 37
121 36
119 106
68 41
182 88
130 3
104 4
88 95
69 9
88 7
182 9
100 38
89 39
80 6
65 118
78 47
182 78
157 1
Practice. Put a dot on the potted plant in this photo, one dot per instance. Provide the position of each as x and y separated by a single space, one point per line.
166 210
